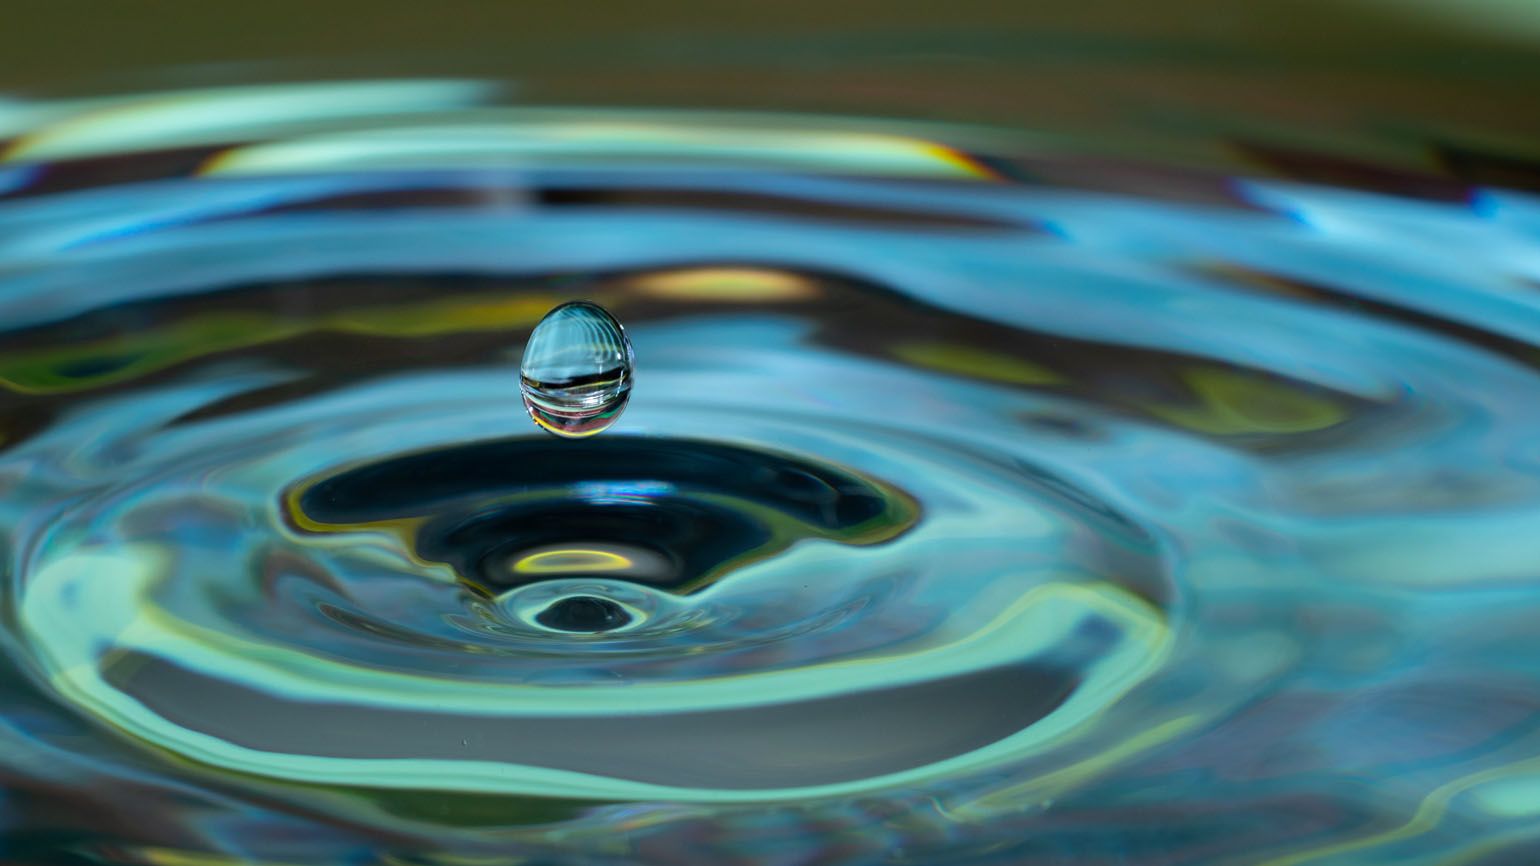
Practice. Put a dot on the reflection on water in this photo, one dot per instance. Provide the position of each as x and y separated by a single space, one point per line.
966 516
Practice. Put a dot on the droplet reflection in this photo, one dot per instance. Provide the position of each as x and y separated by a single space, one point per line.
576 373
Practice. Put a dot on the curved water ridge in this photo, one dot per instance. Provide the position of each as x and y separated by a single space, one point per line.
953 511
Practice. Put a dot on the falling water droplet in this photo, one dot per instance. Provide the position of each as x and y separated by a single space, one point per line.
576 374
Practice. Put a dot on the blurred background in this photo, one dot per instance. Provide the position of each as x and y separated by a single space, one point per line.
1318 89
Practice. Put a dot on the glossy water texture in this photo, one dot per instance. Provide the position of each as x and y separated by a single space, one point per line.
965 517
576 373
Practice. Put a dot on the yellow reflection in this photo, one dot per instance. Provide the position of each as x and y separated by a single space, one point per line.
449 317
571 560
66 368
1233 403
975 363
199 117
545 424
727 284
962 163
498 137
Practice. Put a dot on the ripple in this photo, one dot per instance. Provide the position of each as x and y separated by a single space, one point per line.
400 598
957 511
674 513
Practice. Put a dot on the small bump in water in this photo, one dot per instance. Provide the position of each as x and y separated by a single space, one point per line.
583 613
576 373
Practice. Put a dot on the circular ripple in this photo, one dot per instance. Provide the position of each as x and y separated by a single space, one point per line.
358 581
673 513
441 617
920 510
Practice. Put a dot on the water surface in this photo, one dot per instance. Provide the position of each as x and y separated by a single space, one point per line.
976 503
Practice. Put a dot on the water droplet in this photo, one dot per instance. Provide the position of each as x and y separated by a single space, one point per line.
576 374
583 613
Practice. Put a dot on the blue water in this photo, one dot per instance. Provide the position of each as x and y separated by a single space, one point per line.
955 518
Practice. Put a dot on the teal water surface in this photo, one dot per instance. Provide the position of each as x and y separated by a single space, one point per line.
958 516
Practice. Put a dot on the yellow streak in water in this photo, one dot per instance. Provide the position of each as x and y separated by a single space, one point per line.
187 118
1052 784
975 363
1429 812
37 371
749 285
964 164
528 137
1233 403
569 561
